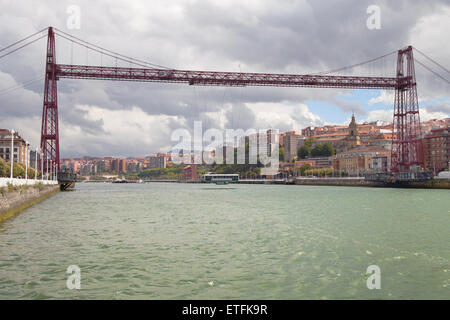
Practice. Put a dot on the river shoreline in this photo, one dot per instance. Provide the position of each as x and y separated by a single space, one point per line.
14 201
330 181
361 182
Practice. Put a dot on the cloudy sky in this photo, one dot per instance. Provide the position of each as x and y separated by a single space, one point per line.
104 118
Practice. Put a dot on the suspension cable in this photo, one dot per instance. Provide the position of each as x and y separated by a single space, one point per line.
354 65
26 38
19 86
105 52
431 60
114 54
432 71
26 44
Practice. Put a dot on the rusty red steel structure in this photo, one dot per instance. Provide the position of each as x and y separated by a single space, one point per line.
49 128
213 78
406 144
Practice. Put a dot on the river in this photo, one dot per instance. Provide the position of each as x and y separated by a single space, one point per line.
202 241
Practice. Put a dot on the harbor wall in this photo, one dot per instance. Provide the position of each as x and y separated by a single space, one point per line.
15 199
361 182
432 184
353 181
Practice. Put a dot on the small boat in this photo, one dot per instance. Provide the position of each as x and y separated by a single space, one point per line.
120 181
222 178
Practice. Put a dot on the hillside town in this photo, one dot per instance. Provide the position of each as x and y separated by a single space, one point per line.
354 149
350 150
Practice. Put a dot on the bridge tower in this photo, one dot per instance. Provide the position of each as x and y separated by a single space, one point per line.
407 146
49 129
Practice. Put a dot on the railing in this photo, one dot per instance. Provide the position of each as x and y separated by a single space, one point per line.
20 182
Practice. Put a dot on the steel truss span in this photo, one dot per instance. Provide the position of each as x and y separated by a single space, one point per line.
406 141
223 78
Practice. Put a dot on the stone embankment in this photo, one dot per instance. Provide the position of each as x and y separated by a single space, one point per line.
14 199
361 182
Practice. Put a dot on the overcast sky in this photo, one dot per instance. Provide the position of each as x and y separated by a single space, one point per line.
105 118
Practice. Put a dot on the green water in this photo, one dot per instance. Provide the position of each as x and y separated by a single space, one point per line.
202 241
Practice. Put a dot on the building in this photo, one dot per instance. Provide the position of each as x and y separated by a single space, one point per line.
381 164
158 161
428 126
437 149
321 162
123 166
189 173
133 166
89 169
115 165
299 163
103 165
119 165
33 161
19 147
308 132
341 139
359 160
273 141
260 145
290 146
382 140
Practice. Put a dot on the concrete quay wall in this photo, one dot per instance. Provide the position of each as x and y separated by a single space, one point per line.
361 182
19 198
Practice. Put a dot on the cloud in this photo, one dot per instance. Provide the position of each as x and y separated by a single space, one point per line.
349 106
443 107
284 117
386 115
230 35
123 132
385 97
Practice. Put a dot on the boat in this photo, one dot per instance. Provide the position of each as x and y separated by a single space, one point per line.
219 178
120 181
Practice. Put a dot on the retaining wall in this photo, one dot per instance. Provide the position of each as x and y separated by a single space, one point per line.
361 182
14 201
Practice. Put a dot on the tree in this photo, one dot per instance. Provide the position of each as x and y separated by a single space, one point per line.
4 169
18 170
281 153
304 151
328 149
323 150
30 173
317 151
305 167
309 142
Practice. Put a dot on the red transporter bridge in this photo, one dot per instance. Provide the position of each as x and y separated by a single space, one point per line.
407 151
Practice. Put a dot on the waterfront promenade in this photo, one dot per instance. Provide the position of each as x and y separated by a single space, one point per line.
21 182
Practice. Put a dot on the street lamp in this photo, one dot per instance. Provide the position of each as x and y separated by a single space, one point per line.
35 163
26 161
47 169
42 165
11 153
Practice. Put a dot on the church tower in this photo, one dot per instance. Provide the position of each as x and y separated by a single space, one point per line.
353 138
353 127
